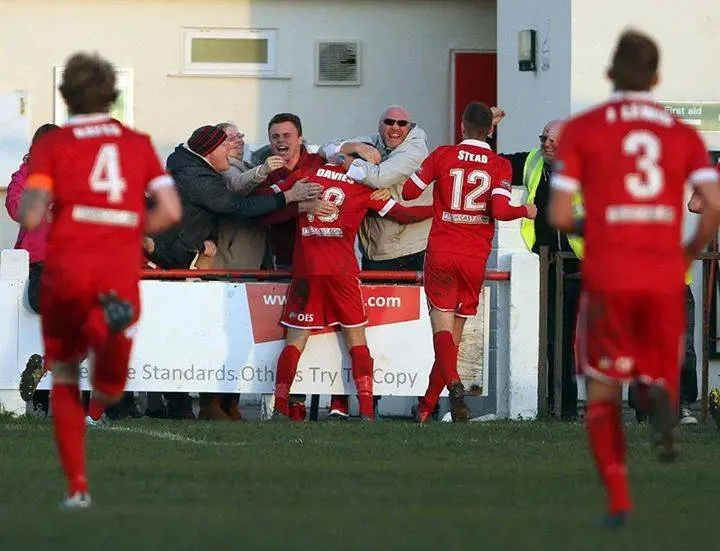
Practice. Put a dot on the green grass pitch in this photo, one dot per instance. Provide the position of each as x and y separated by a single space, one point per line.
393 485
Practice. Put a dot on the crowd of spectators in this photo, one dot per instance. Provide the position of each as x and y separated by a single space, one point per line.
225 190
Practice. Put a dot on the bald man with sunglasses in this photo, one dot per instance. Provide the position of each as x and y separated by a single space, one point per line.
532 170
384 160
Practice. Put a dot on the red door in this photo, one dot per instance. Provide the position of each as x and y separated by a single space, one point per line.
474 79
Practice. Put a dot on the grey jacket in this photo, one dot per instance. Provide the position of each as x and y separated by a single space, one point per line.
382 238
241 243
242 177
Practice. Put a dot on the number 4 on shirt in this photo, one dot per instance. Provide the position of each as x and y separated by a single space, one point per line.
105 176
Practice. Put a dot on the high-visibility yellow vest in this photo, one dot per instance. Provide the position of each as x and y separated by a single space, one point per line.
532 173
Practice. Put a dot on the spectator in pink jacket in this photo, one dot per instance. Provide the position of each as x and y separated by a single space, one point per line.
32 241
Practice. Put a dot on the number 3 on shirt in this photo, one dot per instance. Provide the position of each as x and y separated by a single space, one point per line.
105 176
470 203
649 180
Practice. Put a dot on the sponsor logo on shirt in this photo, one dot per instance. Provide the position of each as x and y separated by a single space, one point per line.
639 214
457 218
310 231
107 217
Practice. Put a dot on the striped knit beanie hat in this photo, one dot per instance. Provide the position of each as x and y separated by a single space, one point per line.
206 139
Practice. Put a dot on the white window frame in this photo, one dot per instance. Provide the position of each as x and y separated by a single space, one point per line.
240 69
124 83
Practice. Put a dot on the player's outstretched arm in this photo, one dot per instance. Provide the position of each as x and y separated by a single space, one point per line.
503 210
401 213
420 179
413 188
166 212
33 207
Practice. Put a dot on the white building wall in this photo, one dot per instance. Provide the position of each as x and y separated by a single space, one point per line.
405 59
532 98
688 34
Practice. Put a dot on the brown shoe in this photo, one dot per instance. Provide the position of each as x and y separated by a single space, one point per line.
459 410
210 409
233 409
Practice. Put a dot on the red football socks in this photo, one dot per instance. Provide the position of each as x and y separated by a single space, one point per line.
436 383
362 370
446 355
607 443
286 369
69 424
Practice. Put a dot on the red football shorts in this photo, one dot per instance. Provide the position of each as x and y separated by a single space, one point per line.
314 302
454 284
69 313
631 335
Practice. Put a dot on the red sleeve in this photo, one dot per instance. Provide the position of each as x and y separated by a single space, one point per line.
501 194
418 182
699 169
501 182
156 175
290 211
503 210
400 213
568 163
40 166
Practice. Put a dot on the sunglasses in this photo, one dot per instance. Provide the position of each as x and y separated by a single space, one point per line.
544 138
391 122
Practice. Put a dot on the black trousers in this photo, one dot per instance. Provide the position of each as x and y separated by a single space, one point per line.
410 263
40 397
571 300
688 369
33 286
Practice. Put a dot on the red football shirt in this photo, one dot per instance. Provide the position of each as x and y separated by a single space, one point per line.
326 245
97 171
466 177
630 159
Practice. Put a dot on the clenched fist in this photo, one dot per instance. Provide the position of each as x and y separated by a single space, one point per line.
271 163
